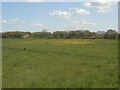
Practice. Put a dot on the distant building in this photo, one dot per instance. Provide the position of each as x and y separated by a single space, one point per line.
26 36
101 32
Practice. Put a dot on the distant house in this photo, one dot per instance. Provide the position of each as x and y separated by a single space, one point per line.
26 36
92 37
101 32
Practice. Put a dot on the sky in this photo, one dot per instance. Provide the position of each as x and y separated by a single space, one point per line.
59 0
59 16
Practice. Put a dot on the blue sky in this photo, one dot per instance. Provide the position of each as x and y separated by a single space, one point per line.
59 16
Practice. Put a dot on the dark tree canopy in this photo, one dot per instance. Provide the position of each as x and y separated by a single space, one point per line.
78 34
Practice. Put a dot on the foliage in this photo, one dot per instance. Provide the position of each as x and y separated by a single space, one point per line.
79 34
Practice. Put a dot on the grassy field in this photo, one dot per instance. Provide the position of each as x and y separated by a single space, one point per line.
60 63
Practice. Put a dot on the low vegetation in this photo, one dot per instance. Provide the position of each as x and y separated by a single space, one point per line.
60 63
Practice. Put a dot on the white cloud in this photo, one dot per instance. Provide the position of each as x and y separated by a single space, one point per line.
2 21
59 13
81 24
75 21
87 4
23 21
87 22
35 0
39 25
17 20
79 11
35 24
104 1
102 6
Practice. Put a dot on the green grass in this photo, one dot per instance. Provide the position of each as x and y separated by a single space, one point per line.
53 63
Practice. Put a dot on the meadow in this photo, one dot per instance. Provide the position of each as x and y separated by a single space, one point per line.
59 63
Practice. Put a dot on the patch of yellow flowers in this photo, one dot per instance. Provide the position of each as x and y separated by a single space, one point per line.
71 42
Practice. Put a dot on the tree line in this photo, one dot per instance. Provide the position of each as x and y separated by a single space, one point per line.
78 34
